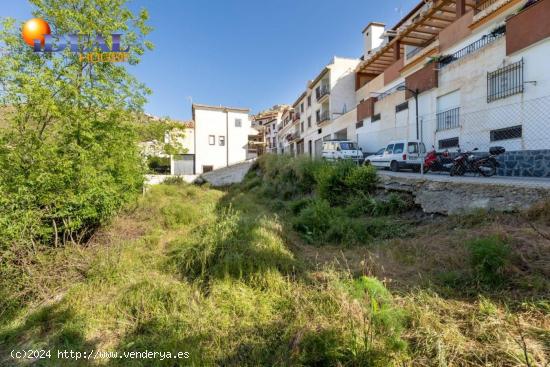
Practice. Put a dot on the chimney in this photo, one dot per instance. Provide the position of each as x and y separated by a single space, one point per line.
372 35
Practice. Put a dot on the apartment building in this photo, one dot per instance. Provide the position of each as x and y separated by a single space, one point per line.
477 72
317 113
268 122
220 137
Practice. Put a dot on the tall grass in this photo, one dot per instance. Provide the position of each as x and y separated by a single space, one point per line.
333 202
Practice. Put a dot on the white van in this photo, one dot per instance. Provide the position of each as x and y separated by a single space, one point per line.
399 154
341 149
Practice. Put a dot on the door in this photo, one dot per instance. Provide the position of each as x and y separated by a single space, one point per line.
318 148
385 161
184 164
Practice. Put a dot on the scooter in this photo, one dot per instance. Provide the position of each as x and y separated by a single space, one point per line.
468 162
437 162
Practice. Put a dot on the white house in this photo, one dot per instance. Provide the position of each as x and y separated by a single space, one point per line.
219 139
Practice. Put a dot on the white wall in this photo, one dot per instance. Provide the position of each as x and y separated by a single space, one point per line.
220 123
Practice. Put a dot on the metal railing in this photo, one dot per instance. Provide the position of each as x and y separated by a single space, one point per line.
481 5
322 117
449 119
321 91
505 81
472 47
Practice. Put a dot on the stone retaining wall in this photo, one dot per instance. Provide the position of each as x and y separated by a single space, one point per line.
445 196
526 163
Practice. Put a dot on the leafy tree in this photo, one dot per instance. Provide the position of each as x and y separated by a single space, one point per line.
68 157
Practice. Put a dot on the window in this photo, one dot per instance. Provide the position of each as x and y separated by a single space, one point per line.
398 148
513 132
211 139
207 168
348 146
318 115
448 143
222 140
412 148
402 107
359 124
302 127
375 117
505 81
238 122
309 121
309 100
302 107
389 149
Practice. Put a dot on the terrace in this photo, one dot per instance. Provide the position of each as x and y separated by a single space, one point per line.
419 29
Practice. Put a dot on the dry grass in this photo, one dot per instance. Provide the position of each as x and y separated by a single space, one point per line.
265 297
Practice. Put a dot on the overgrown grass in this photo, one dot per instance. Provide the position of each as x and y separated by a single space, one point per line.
223 276
332 202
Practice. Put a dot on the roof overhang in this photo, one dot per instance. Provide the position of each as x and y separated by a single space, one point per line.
422 29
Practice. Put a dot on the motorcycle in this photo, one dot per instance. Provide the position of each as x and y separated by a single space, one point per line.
437 162
485 165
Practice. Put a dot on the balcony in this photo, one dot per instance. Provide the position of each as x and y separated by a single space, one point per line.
449 119
293 136
323 117
445 60
321 92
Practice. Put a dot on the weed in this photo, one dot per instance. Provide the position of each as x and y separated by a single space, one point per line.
489 257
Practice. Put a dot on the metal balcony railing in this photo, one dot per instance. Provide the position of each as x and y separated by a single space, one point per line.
473 47
322 91
481 5
322 117
449 119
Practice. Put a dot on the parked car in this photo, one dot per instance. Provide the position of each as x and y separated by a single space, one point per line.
400 154
341 149
376 157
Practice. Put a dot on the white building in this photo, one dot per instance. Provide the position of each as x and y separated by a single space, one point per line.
268 122
218 139
322 110
479 73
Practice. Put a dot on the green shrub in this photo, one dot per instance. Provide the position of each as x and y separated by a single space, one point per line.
362 204
344 180
298 205
158 164
489 257
347 231
314 221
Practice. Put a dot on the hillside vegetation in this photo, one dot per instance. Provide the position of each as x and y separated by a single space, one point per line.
304 263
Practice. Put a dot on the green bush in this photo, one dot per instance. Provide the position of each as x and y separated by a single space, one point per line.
489 257
341 182
159 165
314 221
298 205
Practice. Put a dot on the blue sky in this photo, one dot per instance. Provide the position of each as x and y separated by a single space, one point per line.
243 53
